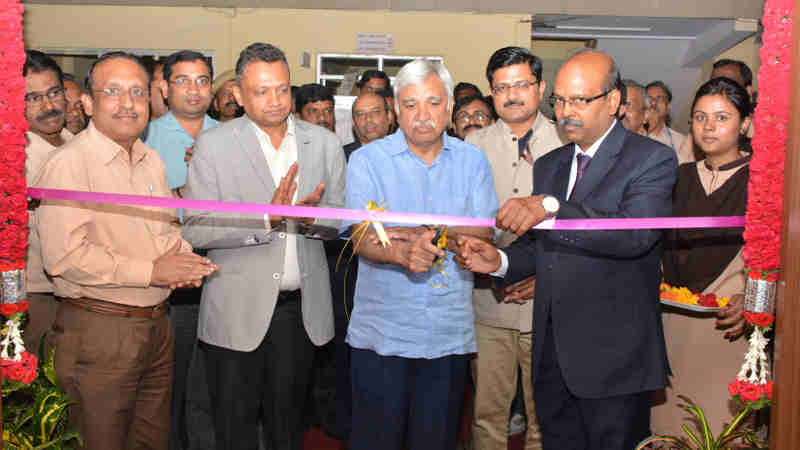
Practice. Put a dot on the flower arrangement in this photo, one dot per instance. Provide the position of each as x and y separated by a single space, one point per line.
684 295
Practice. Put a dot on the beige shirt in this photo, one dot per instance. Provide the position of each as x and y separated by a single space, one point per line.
732 280
38 150
675 141
279 160
513 177
106 251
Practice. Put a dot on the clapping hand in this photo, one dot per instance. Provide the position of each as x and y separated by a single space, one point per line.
175 270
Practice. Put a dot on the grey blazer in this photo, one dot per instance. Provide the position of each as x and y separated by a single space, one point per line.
238 300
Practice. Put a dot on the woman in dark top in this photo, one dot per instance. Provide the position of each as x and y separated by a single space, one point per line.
704 349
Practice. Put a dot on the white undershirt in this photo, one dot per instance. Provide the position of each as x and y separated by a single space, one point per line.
279 162
573 175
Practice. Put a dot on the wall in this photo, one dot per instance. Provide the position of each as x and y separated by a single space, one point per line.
464 40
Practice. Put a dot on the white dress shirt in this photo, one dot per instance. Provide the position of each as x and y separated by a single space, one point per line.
279 161
573 175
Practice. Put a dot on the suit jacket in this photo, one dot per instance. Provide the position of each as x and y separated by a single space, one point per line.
600 288
238 300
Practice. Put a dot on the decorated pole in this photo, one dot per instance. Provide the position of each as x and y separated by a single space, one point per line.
16 364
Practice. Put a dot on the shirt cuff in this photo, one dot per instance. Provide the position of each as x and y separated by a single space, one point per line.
501 271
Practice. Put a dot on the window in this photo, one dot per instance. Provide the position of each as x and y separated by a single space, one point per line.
341 71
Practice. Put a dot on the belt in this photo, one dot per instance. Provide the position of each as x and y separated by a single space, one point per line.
116 309
287 296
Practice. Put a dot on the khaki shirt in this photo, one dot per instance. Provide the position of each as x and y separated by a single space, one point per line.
106 251
677 142
513 177
38 150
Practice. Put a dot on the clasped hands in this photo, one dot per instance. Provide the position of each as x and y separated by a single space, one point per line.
176 270
284 194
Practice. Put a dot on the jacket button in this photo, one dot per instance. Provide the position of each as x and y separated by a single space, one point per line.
282 235
513 164
516 190
276 276
550 267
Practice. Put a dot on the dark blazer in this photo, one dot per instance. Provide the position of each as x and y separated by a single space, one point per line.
601 287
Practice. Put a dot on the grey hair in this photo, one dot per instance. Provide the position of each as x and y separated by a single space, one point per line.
417 71
613 78
629 83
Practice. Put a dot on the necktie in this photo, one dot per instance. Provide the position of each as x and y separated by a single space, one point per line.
583 161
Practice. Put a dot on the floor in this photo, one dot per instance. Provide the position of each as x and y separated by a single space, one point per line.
317 440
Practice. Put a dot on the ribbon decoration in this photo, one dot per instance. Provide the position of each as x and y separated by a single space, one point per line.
381 216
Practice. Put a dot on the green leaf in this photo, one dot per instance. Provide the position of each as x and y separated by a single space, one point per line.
49 369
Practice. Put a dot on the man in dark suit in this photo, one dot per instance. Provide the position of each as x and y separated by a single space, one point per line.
598 349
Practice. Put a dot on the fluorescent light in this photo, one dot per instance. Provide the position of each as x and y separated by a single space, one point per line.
594 28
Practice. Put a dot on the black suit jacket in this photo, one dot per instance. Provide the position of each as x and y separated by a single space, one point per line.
600 288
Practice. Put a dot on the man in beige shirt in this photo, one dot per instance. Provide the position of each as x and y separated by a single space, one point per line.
503 320
45 104
660 98
113 266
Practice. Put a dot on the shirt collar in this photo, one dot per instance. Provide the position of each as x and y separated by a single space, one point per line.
290 128
171 122
399 144
109 150
594 147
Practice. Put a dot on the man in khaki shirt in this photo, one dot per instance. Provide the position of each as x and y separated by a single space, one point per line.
660 98
503 320
113 266
45 104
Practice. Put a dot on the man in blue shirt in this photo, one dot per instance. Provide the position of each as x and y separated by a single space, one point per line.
412 328
187 82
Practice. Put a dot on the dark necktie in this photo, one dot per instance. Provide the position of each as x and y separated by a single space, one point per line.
583 161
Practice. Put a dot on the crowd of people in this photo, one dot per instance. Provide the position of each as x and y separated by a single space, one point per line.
180 328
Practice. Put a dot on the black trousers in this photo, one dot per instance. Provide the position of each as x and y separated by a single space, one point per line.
401 403
271 380
568 422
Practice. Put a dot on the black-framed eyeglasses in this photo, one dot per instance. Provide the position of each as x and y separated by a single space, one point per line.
557 101
504 88
35 98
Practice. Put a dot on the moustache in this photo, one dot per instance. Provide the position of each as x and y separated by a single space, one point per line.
50 114
125 115
472 125
567 121
513 102
423 123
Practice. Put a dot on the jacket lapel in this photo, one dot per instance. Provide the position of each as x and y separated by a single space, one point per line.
561 180
248 140
601 164
305 164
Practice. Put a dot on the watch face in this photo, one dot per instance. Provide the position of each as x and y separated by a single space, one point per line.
550 204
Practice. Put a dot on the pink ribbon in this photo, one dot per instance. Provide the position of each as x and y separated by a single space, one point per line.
385 216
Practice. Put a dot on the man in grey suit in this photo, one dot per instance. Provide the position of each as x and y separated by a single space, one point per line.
271 301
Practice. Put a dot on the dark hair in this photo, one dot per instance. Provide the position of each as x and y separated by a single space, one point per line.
385 100
490 101
663 86
37 62
109 56
731 90
310 93
509 56
464 86
464 101
258 52
185 56
372 74
747 74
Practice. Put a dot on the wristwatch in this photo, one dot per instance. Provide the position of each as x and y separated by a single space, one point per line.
550 205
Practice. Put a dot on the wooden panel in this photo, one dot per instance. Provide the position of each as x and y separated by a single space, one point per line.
785 420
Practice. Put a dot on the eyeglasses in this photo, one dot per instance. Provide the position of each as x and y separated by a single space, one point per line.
35 98
477 116
116 93
557 101
372 114
502 89
185 82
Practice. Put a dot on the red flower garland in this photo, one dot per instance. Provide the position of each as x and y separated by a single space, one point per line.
765 189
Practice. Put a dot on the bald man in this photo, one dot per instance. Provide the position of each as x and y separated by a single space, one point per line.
598 349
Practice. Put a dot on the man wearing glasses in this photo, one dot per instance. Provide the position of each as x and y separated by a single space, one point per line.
44 109
503 320
187 84
114 266
469 114
598 347
659 120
